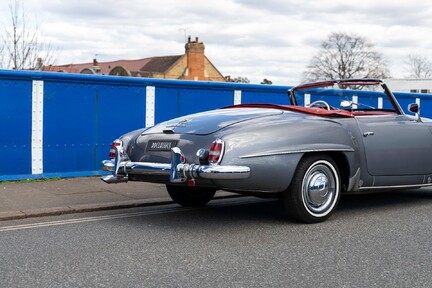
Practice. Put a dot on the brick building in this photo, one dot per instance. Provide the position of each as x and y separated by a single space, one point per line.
193 65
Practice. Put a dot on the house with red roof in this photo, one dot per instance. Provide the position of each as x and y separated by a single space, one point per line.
192 65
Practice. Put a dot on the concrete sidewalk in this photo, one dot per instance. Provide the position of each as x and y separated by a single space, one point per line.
20 200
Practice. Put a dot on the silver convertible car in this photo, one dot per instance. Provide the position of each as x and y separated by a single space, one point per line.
342 136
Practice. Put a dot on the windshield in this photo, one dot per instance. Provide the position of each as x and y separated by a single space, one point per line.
356 96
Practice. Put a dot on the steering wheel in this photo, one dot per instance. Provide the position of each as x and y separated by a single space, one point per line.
316 103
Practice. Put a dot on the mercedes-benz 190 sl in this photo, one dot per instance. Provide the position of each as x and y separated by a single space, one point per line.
347 136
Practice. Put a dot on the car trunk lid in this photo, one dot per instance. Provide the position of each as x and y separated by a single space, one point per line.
209 122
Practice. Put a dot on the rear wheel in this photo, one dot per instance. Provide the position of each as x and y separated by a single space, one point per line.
190 196
314 191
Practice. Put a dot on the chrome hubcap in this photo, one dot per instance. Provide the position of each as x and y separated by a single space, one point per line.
319 188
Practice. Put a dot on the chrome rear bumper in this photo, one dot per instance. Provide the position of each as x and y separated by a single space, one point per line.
178 170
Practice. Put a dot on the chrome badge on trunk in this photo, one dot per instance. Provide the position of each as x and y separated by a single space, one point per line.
162 145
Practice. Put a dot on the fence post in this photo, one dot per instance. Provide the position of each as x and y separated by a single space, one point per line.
150 106
37 127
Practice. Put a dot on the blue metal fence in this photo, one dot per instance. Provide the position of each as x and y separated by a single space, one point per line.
15 126
61 125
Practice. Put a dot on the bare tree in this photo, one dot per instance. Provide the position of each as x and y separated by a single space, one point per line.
239 79
344 56
420 67
266 82
22 48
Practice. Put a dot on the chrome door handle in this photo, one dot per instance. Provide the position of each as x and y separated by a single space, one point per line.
365 134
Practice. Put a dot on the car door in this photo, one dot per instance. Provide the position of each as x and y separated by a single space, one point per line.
396 145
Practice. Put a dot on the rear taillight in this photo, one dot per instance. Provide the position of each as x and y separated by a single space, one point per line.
216 151
114 144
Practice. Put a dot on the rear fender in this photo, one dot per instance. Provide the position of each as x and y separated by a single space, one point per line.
283 146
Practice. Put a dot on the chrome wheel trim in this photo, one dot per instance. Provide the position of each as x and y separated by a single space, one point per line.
320 188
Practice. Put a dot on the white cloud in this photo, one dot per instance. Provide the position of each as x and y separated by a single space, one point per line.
272 39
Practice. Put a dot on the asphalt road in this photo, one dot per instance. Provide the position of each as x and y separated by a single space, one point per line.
380 240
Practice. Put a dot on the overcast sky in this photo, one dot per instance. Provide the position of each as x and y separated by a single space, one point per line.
273 39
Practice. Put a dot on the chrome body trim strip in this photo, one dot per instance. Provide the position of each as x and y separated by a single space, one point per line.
275 153
395 187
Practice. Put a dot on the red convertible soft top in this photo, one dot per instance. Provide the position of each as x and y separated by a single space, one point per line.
301 109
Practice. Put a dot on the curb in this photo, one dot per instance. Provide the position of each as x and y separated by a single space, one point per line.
55 211
82 208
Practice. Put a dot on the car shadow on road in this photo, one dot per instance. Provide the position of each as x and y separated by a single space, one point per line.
388 199
257 211
235 211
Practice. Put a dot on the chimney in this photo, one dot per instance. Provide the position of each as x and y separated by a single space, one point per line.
39 64
195 60
95 66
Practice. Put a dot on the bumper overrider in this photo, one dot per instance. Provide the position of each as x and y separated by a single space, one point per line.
178 170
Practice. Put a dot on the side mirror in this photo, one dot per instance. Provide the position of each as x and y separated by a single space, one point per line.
415 108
